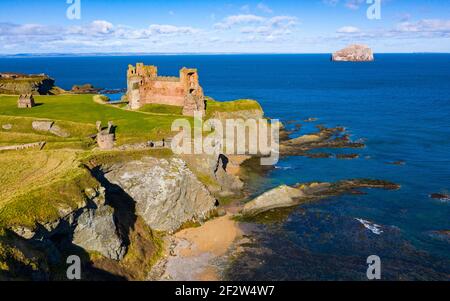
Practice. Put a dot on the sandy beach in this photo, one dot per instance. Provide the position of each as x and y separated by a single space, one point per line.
193 253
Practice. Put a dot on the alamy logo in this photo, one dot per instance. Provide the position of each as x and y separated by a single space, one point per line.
230 137
374 10
74 10
374 269
74 269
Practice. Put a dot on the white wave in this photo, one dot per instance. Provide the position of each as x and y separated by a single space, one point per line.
374 228
283 167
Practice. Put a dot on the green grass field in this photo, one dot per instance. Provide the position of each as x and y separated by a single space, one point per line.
78 114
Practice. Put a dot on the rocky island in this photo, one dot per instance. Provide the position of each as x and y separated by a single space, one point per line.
354 53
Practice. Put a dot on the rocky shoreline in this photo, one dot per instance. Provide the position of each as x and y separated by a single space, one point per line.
207 249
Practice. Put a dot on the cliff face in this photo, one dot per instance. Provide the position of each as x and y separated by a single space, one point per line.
166 192
27 84
92 227
354 53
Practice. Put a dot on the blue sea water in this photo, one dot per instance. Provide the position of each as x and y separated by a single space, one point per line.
400 106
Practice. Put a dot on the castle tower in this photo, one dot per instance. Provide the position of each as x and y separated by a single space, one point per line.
194 98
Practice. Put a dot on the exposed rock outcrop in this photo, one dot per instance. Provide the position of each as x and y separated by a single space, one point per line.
440 196
279 197
42 125
85 89
17 84
91 225
354 53
229 183
220 170
166 192
286 196
325 138
96 231
49 126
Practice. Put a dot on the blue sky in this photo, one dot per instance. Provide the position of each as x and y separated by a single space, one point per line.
214 26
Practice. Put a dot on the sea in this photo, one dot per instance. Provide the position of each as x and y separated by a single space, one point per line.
399 105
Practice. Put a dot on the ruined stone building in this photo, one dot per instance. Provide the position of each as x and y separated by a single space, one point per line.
146 87
106 137
26 101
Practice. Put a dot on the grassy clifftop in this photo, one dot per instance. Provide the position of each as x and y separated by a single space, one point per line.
36 184
29 84
213 106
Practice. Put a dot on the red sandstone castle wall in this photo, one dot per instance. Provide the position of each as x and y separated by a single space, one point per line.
146 87
163 92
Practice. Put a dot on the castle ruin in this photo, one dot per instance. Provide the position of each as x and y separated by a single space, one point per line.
105 137
25 101
146 87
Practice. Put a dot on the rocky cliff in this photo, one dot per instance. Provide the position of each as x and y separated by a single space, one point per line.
166 192
354 53
16 84
91 225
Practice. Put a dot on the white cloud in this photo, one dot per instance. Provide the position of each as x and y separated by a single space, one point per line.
9 29
424 26
231 21
156 29
253 23
95 28
93 36
283 21
348 29
269 30
102 27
